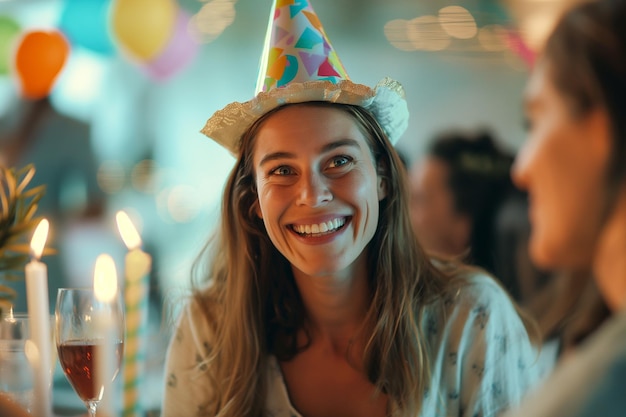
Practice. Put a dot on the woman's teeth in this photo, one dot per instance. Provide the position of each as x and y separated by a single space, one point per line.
324 227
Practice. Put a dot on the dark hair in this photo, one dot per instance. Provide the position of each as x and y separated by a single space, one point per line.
586 58
479 181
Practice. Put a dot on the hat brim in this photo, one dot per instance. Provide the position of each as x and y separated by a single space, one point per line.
386 102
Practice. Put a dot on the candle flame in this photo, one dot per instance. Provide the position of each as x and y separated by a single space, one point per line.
39 238
105 278
11 317
129 233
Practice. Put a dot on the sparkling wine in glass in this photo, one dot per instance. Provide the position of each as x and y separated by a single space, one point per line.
80 341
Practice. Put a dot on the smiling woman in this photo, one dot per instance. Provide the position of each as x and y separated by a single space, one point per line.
319 300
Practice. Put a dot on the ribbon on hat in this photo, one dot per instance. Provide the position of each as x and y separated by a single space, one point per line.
297 48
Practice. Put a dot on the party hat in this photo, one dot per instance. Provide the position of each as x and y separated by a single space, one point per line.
298 65
297 48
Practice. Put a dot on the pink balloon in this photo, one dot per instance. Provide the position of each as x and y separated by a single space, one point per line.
519 47
179 51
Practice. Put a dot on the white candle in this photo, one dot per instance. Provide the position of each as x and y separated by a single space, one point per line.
39 322
137 269
105 290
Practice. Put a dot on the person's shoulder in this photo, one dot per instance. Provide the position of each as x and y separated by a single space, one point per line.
473 301
193 322
588 382
475 288
471 297
605 347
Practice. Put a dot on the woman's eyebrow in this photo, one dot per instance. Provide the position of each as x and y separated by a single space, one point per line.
276 155
339 143
326 148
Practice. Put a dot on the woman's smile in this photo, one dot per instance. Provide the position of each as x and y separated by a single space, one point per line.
319 229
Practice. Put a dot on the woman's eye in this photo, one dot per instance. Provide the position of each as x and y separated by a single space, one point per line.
281 170
339 161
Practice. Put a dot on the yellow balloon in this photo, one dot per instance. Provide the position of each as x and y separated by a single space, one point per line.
143 27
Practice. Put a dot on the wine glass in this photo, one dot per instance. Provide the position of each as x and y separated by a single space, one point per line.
16 376
80 341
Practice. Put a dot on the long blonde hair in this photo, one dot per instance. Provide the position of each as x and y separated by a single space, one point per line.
254 309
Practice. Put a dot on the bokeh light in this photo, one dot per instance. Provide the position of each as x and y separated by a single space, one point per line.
182 203
397 34
492 38
426 34
211 20
111 177
80 83
143 176
458 22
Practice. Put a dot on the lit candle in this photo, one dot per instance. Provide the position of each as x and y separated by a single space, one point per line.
39 322
105 290
137 268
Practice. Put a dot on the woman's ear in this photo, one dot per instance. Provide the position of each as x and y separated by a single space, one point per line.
381 172
382 188
255 207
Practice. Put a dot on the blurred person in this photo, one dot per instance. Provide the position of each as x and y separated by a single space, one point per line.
573 168
319 300
464 205
59 147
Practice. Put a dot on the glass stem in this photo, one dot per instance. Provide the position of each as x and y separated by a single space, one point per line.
91 408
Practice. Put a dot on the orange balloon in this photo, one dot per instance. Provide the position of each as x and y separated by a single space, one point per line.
39 59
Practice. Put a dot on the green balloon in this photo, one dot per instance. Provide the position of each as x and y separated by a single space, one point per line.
9 31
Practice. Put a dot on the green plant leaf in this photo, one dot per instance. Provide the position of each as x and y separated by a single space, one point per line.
25 177
18 220
7 292
17 247
37 191
30 212
14 276
13 262
4 200
11 184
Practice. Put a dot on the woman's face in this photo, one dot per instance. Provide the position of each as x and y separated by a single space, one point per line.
317 186
439 227
562 165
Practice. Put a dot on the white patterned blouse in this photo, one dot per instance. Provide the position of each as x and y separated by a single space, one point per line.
480 351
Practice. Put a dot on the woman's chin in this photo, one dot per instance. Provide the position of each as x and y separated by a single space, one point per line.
545 254
558 254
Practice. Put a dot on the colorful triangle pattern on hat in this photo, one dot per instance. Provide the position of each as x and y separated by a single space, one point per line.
297 48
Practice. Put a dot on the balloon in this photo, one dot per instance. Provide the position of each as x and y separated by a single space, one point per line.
85 23
180 50
39 59
143 27
519 47
9 31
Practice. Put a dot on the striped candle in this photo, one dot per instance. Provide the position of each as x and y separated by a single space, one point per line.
137 269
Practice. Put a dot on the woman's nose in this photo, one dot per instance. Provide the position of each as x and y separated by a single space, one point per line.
313 190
